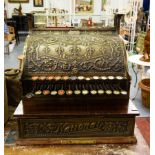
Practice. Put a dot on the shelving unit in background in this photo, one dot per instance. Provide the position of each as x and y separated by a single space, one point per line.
133 24
65 20
128 28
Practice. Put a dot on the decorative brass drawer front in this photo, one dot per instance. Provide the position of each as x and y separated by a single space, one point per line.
76 127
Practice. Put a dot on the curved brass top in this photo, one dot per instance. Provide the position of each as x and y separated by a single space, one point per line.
84 54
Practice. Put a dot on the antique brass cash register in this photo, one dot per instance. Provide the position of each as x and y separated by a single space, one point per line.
75 89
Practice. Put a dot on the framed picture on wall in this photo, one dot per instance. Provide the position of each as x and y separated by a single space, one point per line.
38 3
18 1
83 6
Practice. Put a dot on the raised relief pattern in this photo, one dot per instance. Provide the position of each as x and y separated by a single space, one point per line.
84 127
85 53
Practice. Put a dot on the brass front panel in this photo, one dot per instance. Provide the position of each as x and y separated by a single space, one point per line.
61 127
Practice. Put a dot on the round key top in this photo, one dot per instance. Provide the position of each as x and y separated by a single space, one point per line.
119 77
77 92
85 92
65 78
88 79
110 77
50 78
95 77
116 92
46 92
108 92
54 92
57 78
29 95
61 92
103 77
38 92
100 91
69 92
123 92
93 92
73 78
80 77
42 78
34 78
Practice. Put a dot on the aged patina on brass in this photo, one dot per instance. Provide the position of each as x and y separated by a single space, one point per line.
73 127
81 88
85 54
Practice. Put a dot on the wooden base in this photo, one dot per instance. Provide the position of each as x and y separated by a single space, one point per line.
77 127
88 140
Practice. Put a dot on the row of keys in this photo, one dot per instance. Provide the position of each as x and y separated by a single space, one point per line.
49 85
77 92
42 78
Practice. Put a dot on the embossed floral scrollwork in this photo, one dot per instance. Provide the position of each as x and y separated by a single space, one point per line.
75 51
94 52
60 51
89 52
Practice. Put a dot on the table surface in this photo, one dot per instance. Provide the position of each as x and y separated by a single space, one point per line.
136 59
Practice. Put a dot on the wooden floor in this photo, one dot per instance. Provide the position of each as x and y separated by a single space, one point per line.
141 148
143 124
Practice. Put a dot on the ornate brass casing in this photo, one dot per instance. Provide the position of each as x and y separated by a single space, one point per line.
86 54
